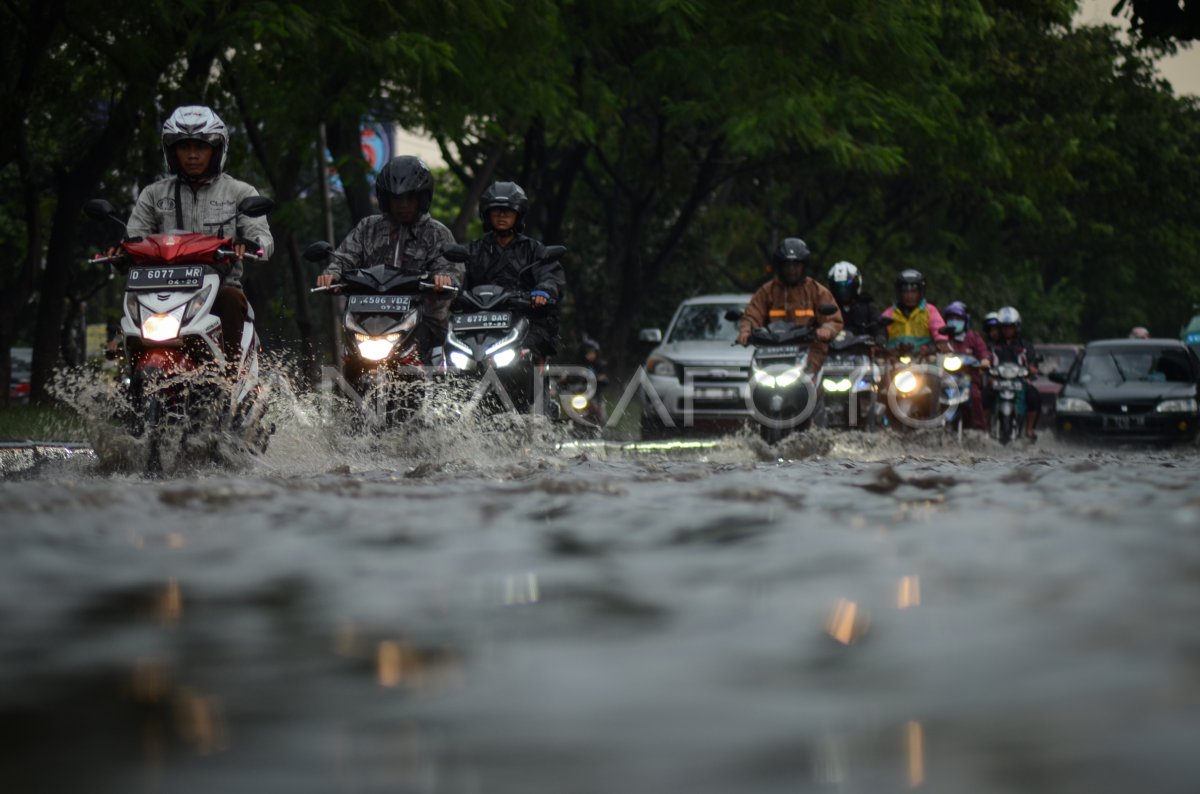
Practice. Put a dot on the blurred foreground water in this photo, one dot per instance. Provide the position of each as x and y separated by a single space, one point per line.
459 612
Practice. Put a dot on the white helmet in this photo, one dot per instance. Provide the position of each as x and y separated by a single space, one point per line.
1009 316
195 123
845 281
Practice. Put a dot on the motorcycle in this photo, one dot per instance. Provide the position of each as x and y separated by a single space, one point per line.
849 378
1008 385
784 396
914 388
381 357
955 398
489 328
177 372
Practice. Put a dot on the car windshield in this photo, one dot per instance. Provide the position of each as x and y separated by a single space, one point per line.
1117 365
1055 360
705 322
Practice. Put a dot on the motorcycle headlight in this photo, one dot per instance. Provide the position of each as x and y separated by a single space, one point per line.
1075 405
764 378
788 377
905 359
160 327
905 382
829 384
195 304
376 348
459 360
504 357
952 364
579 402
661 366
1187 406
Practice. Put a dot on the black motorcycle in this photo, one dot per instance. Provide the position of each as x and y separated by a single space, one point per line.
850 382
381 356
783 395
488 340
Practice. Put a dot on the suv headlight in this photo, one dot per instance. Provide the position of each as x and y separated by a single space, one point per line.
1073 405
662 366
1186 406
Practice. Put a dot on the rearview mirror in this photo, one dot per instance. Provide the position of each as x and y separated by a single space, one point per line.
553 253
651 336
99 210
456 253
733 315
256 206
318 251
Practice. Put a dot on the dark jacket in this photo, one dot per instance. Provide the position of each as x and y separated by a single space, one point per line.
519 266
1015 352
862 317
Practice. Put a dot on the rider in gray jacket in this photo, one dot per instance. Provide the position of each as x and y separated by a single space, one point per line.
199 197
404 237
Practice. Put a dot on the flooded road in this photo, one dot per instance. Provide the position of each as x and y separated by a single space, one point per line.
862 615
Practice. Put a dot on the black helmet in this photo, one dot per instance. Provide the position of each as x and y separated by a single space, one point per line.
910 278
791 249
402 175
504 195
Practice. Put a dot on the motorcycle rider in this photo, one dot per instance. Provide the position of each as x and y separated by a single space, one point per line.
507 258
405 237
198 196
966 341
792 295
915 322
1012 349
858 309
991 327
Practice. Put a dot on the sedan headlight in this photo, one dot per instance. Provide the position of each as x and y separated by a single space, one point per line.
661 366
376 348
504 357
1186 406
160 327
1072 405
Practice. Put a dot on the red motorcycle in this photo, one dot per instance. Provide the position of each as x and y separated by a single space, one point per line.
178 376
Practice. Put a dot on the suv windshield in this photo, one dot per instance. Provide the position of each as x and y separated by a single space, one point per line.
1118 365
705 322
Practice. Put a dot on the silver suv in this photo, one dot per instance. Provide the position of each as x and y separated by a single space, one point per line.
698 363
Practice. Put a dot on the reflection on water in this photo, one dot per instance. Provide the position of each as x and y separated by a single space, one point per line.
503 614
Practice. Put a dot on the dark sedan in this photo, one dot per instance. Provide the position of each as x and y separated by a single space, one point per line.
1131 389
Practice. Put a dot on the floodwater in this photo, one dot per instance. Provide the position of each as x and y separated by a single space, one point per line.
470 613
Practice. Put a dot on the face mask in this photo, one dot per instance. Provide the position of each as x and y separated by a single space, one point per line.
956 325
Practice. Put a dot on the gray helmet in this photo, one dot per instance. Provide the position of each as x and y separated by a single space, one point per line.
406 174
910 278
195 123
504 195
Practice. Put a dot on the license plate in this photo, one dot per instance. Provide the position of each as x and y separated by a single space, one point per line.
1124 422
778 350
385 304
482 321
715 393
177 277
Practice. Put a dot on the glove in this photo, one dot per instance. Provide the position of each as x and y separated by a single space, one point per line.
824 333
540 293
